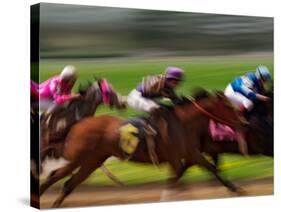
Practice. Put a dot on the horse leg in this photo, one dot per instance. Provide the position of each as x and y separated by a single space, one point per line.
215 158
111 176
200 160
173 185
44 152
82 174
178 168
56 175
182 171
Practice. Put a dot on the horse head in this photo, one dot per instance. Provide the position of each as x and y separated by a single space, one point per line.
264 108
261 126
110 96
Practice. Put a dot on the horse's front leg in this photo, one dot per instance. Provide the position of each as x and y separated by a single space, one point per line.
216 160
202 161
174 187
178 168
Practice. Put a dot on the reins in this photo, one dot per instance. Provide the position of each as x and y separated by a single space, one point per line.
208 114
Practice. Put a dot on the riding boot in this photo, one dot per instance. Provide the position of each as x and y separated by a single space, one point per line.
159 123
150 134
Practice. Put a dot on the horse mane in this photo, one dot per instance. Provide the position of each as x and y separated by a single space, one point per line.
83 87
199 93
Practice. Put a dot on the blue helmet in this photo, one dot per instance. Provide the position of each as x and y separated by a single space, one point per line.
263 73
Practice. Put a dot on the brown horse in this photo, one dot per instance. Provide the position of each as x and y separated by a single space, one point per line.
91 141
53 134
258 134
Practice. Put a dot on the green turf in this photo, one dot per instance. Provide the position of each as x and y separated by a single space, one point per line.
208 72
233 167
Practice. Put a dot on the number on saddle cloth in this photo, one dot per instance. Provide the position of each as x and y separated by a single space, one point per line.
131 134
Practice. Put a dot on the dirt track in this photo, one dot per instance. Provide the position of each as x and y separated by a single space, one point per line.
89 196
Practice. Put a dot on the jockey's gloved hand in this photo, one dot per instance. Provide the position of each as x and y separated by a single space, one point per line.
263 98
179 100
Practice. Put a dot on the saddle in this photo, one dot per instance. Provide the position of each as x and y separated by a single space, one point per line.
138 132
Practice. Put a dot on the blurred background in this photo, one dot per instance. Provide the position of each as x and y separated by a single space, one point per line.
69 31
124 45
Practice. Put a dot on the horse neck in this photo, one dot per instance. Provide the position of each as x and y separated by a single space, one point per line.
86 107
90 107
188 111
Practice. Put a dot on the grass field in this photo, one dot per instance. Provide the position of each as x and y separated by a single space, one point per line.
208 72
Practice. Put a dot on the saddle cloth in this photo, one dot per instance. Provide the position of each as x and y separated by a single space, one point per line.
221 132
132 133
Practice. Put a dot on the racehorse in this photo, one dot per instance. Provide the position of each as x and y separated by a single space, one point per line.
259 134
92 95
92 140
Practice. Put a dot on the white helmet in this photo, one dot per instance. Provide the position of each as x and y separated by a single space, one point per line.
68 72
262 72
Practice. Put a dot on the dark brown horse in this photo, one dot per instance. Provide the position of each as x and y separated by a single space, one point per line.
91 141
259 134
53 132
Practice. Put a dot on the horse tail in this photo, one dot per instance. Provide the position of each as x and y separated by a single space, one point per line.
111 176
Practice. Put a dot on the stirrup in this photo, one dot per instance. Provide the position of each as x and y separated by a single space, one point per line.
151 150
150 133
149 130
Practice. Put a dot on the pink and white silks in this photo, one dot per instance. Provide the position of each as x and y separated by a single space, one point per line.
51 92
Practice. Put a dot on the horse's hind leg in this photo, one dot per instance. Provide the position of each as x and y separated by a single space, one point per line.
84 171
56 175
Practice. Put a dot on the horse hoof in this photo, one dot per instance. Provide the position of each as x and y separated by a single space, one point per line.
120 184
238 191
56 205
241 192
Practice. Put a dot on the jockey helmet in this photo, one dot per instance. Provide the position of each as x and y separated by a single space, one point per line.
263 73
68 72
174 73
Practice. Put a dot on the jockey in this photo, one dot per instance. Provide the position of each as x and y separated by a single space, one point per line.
155 86
243 91
56 91
142 99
